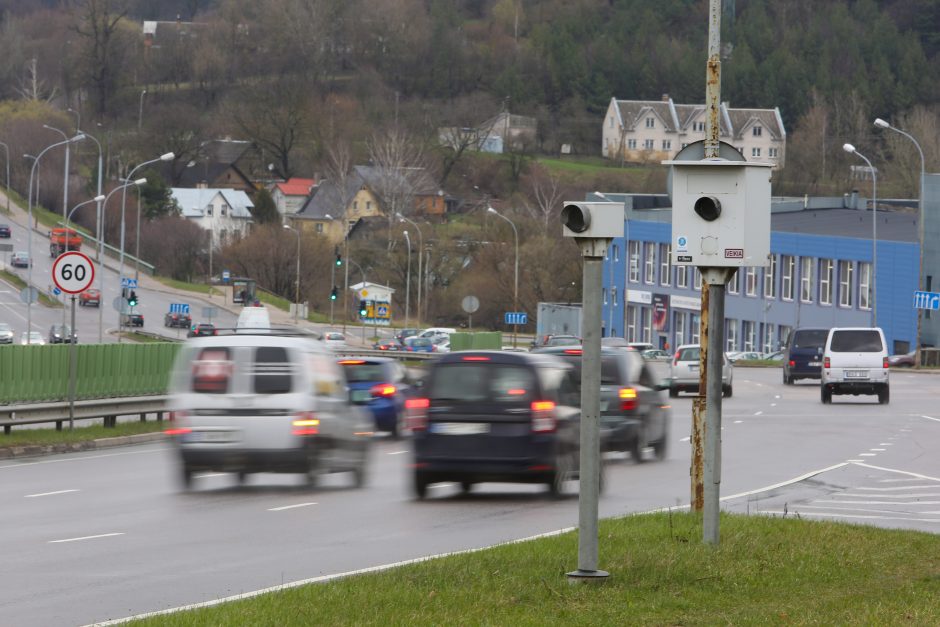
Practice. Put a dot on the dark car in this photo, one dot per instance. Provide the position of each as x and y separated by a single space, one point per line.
404 334
804 352
557 340
634 412
496 416
132 320
178 320
61 334
387 345
381 385
5 230
902 361
202 329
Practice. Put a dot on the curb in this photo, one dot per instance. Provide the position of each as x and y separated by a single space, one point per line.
36 450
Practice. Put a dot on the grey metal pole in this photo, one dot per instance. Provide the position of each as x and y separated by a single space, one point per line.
137 245
73 367
408 284
590 420
713 392
6 150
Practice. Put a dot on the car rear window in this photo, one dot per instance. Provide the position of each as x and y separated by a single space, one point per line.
856 341
810 338
481 382
272 371
361 372
690 354
610 373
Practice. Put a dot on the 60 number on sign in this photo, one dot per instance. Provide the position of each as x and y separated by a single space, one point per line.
73 272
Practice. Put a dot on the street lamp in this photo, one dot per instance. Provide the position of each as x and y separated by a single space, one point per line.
515 289
29 225
402 218
65 180
164 157
140 109
98 198
6 149
920 228
849 148
361 272
297 281
408 283
78 118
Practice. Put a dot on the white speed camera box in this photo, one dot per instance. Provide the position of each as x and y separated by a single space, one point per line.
720 213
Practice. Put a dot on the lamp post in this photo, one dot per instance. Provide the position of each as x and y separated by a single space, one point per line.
361 272
515 289
6 150
408 283
297 280
104 204
38 172
98 198
402 218
332 274
849 148
65 179
29 225
920 229
164 157
140 109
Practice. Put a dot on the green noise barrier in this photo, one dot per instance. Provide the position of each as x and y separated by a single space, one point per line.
487 340
35 374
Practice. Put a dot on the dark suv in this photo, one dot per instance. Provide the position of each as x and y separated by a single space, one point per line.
804 354
496 416
61 334
634 413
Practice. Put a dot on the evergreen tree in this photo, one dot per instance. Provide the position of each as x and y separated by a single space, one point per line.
264 211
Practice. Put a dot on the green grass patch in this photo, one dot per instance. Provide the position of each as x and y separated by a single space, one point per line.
199 288
45 437
585 165
145 338
759 363
766 571
19 283
274 301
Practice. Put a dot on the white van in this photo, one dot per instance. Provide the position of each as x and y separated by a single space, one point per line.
433 332
253 319
266 401
855 361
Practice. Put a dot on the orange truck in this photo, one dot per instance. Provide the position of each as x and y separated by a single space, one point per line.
61 240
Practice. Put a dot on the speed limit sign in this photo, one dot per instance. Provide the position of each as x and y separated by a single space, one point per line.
73 272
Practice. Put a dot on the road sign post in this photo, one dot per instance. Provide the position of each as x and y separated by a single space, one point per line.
72 272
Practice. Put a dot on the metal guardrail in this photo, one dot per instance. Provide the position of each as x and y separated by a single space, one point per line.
371 352
58 412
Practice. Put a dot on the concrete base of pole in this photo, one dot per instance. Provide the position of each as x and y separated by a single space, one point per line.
587 576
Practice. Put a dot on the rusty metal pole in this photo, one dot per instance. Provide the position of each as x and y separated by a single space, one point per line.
698 414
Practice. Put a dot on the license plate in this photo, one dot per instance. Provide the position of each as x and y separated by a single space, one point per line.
212 437
361 396
856 374
460 428
815 363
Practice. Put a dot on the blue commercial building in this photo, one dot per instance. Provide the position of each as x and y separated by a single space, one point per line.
821 274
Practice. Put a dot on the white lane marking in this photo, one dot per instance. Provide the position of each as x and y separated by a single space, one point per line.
398 452
906 487
885 444
881 502
868 454
776 396
903 472
737 422
758 413
212 474
100 535
31 496
281 509
775 486
877 449
931 418
82 458
443 485
686 439
822 514
889 496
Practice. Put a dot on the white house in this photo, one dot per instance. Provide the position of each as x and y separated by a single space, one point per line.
226 213
650 131
290 195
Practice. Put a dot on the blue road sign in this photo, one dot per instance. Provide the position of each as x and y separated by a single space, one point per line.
56 291
516 317
128 282
927 300
180 308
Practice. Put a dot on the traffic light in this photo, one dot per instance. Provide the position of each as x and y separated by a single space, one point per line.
333 293
363 310
132 299
339 260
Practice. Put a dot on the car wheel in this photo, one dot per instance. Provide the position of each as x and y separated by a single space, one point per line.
661 447
673 392
826 394
564 465
884 395
420 485
312 474
637 445
787 379
727 391
466 487
241 476
186 476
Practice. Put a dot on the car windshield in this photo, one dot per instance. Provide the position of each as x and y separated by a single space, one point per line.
691 353
360 373
478 382
562 341
610 374
857 341
4 327
810 338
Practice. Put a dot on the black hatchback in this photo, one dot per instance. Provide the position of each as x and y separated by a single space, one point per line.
494 416
634 413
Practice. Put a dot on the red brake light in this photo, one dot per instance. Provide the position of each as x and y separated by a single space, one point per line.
543 417
792 363
351 362
884 362
826 363
572 351
627 399
476 358
383 390
181 431
416 411
516 392
305 423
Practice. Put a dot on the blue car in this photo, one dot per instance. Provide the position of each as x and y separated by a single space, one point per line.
380 385
419 345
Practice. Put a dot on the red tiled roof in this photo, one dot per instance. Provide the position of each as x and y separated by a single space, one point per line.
296 187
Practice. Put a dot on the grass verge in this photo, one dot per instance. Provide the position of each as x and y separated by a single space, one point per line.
44 437
766 571
19 284
144 338
199 288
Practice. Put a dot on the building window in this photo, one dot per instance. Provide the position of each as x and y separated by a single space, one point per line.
223 237
731 335
665 264
750 281
864 285
748 332
696 279
647 314
770 278
679 326
648 144
767 345
695 327
786 284
755 152
700 126
604 294
682 276
632 314
650 264
783 334
319 228
650 123
845 284
634 249
806 279
611 121
825 281
756 131
734 285
667 144
773 153
631 144
224 210
616 252
613 296
209 211
355 205
368 205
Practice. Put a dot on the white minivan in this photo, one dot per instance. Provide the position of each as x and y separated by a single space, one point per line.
855 361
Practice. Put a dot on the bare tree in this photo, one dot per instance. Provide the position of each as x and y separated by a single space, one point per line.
399 169
174 245
546 189
98 22
34 88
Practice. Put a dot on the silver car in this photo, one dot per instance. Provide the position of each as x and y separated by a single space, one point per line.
684 371
6 333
